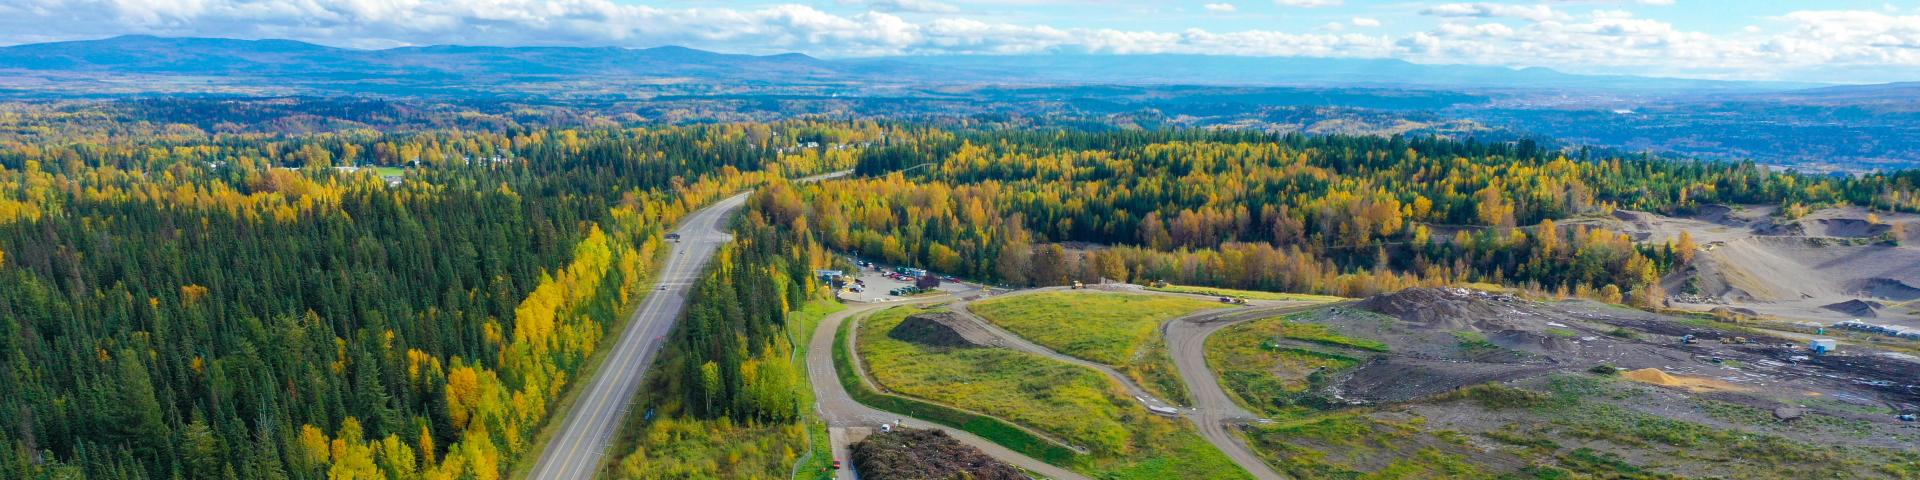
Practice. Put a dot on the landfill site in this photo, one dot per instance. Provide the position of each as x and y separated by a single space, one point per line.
1612 371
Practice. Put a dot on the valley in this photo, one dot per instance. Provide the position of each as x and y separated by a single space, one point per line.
958 239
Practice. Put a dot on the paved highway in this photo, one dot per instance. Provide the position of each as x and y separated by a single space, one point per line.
575 450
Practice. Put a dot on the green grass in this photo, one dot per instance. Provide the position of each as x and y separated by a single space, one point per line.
1074 403
1025 388
1102 327
1247 294
994 429
1120 330
1329 446
1267 378
1321 334
1472 341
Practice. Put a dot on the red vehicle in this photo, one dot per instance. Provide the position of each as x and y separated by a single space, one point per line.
836 464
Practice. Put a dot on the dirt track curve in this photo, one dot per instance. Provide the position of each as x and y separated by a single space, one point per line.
1213 410
841 412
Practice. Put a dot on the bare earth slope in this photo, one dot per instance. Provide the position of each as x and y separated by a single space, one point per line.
1753 262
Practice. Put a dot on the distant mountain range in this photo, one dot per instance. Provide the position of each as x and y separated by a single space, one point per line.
286 64
1808 126
136 54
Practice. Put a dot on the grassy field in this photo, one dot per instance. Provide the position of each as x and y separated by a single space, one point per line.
1070 402
1103 327
1271 380
1121 330
990 428
1247 294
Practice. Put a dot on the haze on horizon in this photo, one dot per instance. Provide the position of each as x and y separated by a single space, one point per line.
1831 41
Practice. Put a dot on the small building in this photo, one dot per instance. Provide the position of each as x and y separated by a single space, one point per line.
1823 346
835 278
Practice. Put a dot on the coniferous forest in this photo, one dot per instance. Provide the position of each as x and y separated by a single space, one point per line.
253 301
340 305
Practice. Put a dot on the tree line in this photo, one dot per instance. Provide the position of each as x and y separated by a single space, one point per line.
234 306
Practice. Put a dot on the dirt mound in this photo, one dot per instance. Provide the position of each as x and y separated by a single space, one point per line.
1441 308
1886 288
1654 376
939 329
1397 379
925 454
1856 307
1843 227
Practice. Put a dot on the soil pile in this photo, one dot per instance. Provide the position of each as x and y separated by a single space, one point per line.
1886 288
1844 227
1856 307
1442 308
925 454
939 329
1654 376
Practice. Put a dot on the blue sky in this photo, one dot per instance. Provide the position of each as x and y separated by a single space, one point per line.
1835 41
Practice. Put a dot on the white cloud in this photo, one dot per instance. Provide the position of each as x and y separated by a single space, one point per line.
1309 3
1642 2
1220 7
914 6
1477 33
1538 13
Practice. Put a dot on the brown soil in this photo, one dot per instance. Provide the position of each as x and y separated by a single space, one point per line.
1856 307
940 329
1697 384
1441 308
906 454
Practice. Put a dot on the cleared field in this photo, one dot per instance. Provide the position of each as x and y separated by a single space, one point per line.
1274 380
1109 328
1247 294
1120 330
1073 403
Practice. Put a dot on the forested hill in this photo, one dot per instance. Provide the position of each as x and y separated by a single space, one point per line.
182 304
232 65
1330 214
355 305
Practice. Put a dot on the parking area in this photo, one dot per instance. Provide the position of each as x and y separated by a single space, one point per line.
874 283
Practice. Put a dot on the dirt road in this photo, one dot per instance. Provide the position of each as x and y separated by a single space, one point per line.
842 413
1212 409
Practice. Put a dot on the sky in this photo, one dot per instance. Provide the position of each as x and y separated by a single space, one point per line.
1840 41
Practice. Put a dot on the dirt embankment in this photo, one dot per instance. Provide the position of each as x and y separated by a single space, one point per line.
1438 340
907 454
1827 266
941 329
